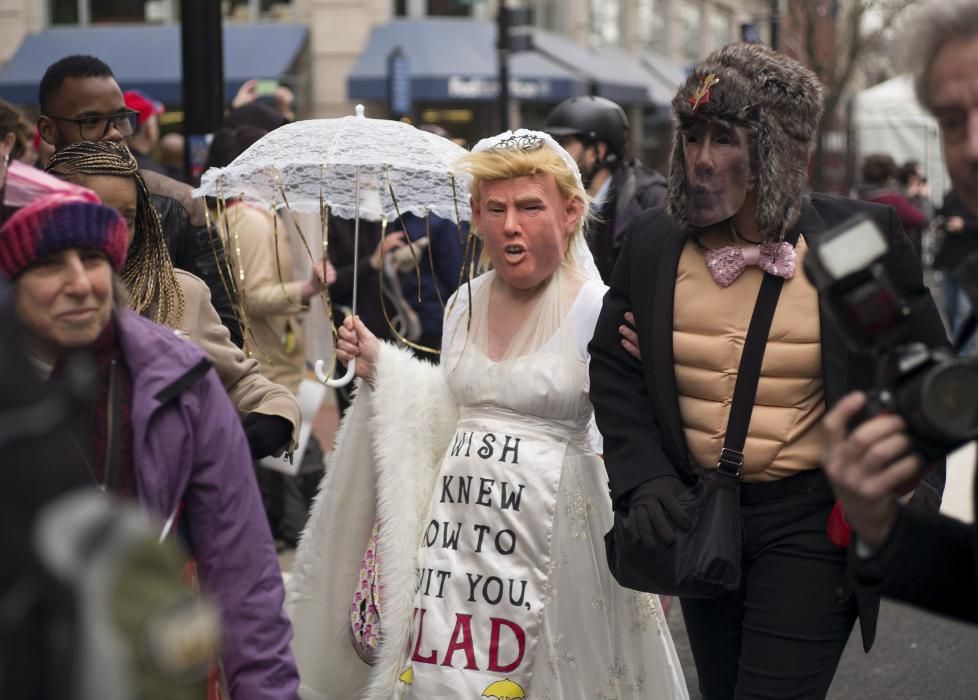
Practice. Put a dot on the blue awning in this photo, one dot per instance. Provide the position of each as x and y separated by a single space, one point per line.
455 59
610 72
667 76
147 57
660 77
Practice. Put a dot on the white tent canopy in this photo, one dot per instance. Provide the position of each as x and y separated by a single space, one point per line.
888 119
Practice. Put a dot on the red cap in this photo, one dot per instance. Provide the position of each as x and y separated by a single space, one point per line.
139 101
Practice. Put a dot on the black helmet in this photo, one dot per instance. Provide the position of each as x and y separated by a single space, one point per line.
590 117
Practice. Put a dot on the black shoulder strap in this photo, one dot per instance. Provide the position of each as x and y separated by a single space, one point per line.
749 372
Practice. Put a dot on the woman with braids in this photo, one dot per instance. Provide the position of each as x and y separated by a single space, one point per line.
175 298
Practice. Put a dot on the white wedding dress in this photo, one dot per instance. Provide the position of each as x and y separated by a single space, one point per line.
584 635
498 480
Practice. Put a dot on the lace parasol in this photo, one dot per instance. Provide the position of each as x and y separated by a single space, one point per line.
318 161
357 167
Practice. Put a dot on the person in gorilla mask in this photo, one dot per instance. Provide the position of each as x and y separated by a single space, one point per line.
689 275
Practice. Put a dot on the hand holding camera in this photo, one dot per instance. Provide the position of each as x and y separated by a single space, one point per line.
869 466
922 405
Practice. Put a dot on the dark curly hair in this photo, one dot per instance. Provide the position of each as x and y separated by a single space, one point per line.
75 66
879 169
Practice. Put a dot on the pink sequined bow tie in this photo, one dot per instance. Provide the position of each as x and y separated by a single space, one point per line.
728 263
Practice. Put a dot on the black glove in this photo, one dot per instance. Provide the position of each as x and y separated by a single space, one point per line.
651 507
266 434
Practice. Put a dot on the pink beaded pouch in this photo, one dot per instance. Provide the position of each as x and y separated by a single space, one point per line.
365 610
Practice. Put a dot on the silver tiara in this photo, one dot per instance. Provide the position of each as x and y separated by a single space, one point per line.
519 142
527 140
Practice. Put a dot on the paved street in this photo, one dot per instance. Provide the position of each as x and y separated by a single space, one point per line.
917 656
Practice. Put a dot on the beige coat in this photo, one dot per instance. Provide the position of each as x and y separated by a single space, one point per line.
249 391
272 301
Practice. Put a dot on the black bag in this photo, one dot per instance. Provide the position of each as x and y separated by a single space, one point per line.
705 560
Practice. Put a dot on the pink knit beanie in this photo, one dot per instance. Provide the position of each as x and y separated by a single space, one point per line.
59 222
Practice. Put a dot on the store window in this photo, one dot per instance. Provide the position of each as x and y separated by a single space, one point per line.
156 11
118 11
251 10
110 11
97 11
452 8
439 8
721 27
549 14
691 20
605 22
64 12
652 18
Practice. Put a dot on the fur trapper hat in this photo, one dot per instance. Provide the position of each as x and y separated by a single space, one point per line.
778 100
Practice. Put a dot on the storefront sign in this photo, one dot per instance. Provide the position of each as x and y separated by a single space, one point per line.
487 88
398 84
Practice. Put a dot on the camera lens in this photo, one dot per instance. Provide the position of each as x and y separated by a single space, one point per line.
949 399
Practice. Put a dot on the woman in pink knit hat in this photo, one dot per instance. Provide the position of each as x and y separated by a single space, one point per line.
160 429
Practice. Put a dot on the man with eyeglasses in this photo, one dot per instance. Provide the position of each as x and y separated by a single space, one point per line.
80 100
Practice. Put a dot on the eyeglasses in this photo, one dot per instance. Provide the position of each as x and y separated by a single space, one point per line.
96 126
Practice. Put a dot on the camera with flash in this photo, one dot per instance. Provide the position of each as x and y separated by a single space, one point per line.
934 391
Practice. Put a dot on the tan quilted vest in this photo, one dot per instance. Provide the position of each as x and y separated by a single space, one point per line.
709 326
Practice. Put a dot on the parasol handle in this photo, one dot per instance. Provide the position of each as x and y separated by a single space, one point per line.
351 367
339 381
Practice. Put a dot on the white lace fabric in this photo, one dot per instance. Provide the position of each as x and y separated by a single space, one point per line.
318 160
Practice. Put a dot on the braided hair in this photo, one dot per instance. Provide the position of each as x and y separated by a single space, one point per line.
148 271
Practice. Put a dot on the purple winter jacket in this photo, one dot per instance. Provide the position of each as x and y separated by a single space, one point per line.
189 447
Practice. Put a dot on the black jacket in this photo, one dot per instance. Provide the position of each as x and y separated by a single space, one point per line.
955 247
929 560
636 404
438 281
146 162
193 247
634 188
